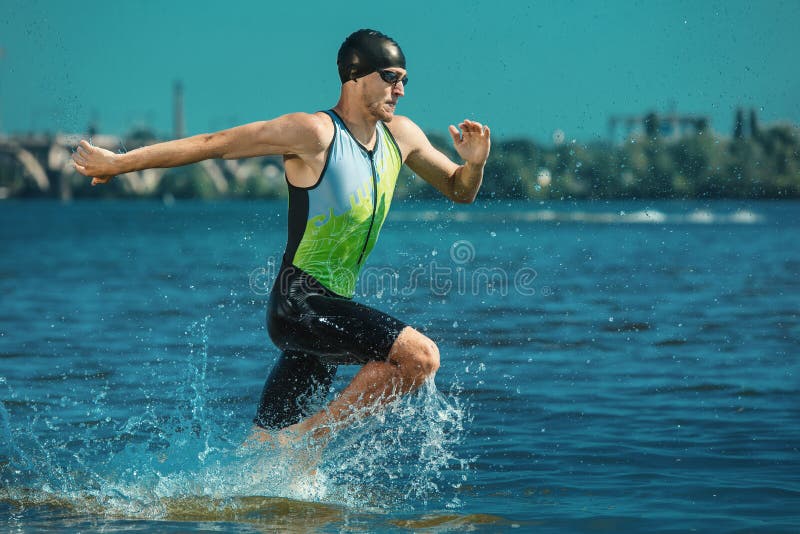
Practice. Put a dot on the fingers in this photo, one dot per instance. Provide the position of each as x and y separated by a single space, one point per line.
80 154
473 127
79 157
455 134
474 143
82 161
467 127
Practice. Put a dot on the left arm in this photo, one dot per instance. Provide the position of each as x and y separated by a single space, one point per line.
459 183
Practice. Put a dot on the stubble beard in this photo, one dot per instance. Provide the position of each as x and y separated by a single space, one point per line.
377 110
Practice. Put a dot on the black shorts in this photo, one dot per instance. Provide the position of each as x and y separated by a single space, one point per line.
317 330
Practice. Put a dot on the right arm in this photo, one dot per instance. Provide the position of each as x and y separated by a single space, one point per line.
301 134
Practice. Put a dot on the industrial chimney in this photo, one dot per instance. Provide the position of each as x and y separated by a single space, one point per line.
179 129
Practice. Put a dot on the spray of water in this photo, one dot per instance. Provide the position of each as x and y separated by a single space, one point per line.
180 452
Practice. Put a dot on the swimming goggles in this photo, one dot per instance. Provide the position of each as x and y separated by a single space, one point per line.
392 78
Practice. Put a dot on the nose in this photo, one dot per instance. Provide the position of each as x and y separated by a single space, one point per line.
398 89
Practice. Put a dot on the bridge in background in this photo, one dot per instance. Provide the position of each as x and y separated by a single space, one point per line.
45 163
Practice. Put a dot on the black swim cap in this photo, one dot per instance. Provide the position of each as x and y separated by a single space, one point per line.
367 51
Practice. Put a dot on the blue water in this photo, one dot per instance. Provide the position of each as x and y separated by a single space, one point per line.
613 367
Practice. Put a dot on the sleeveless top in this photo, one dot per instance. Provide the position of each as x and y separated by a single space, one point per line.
334 224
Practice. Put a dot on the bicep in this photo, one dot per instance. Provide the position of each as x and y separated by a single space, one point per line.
296 133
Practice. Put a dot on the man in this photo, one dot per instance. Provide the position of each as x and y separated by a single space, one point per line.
341 167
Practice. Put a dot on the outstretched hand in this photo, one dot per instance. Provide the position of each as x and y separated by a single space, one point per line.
95 162
472 142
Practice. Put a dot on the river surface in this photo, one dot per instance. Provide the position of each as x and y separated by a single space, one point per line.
606 366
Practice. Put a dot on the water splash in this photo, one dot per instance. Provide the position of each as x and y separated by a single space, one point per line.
403 454
180 451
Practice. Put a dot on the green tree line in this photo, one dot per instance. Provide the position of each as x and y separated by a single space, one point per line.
757 163
764 164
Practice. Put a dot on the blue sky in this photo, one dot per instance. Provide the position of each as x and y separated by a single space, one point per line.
525 68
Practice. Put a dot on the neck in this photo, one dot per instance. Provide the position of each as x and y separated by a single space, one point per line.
358 120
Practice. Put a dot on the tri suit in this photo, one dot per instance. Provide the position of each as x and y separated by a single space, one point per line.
333 226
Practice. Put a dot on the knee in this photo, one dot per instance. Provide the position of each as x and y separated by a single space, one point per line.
426 358
431 358
416 356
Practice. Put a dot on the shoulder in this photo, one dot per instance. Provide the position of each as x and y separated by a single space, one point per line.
401 127
298 133
407 134
318 125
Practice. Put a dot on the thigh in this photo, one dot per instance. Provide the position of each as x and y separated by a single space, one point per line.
338 330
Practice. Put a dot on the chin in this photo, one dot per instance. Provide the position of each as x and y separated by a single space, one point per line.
382 115
388 115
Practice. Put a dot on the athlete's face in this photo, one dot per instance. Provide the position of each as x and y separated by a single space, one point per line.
381 96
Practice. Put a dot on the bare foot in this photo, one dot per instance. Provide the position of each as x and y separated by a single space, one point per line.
281 439
302 450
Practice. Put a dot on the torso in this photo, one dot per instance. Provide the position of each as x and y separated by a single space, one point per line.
305 171
336 214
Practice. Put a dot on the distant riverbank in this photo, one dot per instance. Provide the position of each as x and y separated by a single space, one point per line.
760 164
